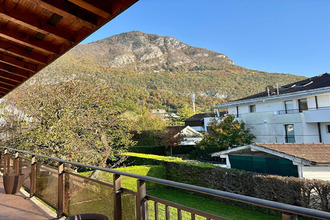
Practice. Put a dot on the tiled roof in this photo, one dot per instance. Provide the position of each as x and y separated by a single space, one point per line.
315 82
316 152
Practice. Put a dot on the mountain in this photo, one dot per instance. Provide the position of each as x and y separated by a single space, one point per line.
159 72
142 51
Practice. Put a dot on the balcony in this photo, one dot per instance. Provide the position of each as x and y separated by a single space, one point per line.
70 194
317 115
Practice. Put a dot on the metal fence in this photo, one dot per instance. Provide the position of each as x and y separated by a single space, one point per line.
69 193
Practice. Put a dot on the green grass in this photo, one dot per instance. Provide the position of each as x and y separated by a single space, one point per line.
202 204
180 197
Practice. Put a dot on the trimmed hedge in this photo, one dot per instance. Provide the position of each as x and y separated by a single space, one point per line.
157 150
313 194
161 150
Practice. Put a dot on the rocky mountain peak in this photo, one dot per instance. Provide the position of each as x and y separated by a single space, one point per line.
142 51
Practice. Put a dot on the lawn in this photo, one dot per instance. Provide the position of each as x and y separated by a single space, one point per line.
202 204
180 197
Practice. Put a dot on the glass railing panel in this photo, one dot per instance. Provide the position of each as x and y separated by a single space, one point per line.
128 205
46 184
26 170
84 195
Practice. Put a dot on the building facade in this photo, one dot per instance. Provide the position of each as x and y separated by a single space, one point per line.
294 113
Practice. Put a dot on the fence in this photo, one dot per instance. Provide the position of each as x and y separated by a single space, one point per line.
69 193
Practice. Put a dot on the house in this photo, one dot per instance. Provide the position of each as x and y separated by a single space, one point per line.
200 121
190 136
295 113
304 160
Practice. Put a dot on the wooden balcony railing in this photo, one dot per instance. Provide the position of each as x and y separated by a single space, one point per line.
69 193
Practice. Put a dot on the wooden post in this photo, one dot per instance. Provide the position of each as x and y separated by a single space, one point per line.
33 176
16 160
117 196
141 203
20 166
60 193
289 216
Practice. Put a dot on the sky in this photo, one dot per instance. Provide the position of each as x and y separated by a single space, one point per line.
283 36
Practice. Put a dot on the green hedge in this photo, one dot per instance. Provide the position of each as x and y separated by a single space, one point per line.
184 149
161 150
290 190
157 150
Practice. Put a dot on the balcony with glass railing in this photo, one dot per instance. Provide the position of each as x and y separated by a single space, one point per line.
68 193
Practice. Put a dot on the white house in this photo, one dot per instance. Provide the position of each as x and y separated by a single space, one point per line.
190 136
304 160
295 113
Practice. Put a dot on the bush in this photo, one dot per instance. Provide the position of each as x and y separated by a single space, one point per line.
290 190
183 149
157 150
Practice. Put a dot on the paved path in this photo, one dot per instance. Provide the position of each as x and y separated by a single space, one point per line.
18 207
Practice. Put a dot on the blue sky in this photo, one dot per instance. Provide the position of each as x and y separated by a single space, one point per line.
284 36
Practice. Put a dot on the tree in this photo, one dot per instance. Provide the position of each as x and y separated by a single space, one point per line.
171 137
185 112
74 121
225 134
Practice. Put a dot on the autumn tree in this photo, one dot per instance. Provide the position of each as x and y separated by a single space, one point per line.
74 121
171 137
226 133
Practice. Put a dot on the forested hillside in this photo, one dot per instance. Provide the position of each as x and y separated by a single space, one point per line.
165 79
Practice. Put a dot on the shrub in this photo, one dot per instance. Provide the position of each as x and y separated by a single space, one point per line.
157 150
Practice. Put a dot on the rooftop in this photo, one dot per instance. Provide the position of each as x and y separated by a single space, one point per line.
305 153
315 82
315 152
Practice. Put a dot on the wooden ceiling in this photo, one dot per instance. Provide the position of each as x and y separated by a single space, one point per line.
34 33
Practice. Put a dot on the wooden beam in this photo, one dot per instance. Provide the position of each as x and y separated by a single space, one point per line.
8 82
90 7
11 77
19 51
32 22
20 64
6 87
14 70
28 41
66 10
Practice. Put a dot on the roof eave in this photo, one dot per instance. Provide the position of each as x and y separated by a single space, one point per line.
309 92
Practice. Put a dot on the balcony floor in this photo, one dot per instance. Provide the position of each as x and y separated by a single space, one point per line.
18 206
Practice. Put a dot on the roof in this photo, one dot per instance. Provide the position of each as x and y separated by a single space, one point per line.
309 87
305 153
201 116
303 85
34 33
189 132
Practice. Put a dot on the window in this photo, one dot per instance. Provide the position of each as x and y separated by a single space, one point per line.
302 105
328 126
289 134
288 107
252 108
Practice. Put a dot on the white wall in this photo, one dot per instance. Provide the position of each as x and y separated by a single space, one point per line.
316 172
269 126
324 132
